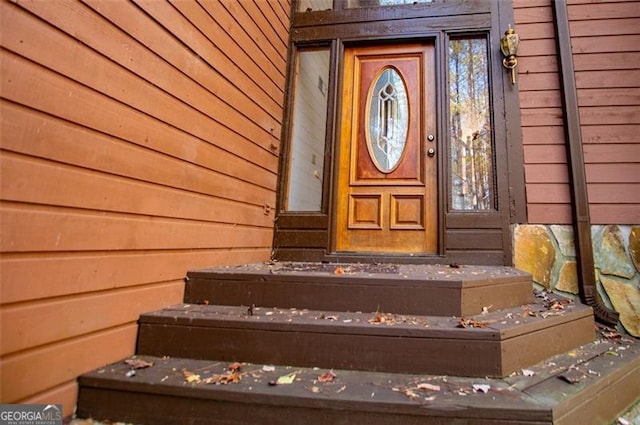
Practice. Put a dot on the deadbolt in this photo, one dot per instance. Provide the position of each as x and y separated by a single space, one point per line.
431 138
431 152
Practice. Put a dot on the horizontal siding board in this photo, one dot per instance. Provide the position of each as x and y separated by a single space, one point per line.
537 64
538 81
612 153
268 19
73 317
539 12
40 182
609 97
613 173
541 117
92 150
248 16
625 133
235 87
540 99
616 193
533 31
601 27
552 193
35 229
607 78
138 93
537 47
63 361
545 154
106 115
64 394
239 48
588 12
63 274
210 43
549 213
31 132
134 148
606 61
598 115
546 173
543 135
615 214
606 44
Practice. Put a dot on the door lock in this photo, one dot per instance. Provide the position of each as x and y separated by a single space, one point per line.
431 152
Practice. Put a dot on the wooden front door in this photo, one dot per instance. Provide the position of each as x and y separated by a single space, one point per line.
387 181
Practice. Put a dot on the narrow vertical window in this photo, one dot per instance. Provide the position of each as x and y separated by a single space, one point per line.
309 121
471 143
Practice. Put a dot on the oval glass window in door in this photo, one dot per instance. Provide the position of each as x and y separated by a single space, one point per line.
387 120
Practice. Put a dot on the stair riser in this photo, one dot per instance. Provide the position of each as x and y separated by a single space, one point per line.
422 298
159 409
353 352
384 353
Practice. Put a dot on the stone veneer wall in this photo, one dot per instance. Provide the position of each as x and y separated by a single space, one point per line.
548 253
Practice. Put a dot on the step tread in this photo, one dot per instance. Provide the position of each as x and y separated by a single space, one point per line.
544 312
541 397
368 274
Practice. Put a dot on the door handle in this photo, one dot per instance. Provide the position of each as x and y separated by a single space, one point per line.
431 152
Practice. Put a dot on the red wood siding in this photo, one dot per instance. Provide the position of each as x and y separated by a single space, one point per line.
139 140
606 51
606 48
546 176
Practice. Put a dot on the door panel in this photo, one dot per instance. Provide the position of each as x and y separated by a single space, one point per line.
387 184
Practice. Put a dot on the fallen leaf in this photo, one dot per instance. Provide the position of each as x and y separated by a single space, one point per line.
234 367
130 373
327 377
284 379
138 363
623 421
191 377
528 372
338 271
411 394
471 323
224 379
485 310
428 387
483 388
315 390
268 368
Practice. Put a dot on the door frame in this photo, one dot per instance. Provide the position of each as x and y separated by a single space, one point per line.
306 236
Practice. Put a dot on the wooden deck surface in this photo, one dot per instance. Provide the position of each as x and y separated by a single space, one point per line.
599 380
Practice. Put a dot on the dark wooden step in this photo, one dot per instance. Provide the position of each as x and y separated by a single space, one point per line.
161 394
495 344
433 290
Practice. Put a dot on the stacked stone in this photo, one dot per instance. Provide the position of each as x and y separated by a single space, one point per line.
548 253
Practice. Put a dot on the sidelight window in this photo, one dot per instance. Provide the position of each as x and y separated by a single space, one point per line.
471 160
309 121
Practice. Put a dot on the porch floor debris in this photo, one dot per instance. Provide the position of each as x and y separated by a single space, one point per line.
569 388
216 358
